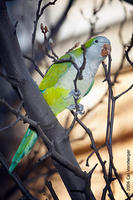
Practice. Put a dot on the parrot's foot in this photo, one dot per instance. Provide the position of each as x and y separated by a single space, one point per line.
75 94
79 109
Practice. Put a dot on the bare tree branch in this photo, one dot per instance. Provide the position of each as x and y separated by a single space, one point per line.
130 46
35 65
50 187
16 179
39 13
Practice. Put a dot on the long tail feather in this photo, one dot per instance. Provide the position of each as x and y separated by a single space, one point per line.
24 148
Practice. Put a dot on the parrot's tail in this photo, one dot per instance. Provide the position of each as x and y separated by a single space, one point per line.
24 148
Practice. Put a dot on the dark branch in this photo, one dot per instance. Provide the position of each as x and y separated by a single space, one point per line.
10 125
39 13
128 50
50 187
16 179
36 67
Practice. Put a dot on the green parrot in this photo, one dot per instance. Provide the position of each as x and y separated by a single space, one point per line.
57 86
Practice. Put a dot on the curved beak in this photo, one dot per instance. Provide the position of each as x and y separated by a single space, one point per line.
106 50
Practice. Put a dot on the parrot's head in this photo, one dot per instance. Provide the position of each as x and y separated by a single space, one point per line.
99 49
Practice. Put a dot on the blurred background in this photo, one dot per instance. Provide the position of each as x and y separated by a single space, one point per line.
71 22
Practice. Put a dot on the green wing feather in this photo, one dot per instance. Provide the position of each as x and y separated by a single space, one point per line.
55 97
54 74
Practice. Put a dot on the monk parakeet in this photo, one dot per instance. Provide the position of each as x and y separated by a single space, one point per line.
57 85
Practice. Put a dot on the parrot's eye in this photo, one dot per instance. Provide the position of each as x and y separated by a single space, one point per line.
96 41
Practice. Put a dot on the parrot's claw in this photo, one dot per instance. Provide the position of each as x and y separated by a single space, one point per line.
75 94
79 110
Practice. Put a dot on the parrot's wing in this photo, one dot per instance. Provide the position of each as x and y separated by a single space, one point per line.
55 72
24 148
57 98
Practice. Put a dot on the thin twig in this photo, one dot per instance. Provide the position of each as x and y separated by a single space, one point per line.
10 125
72 48
16 179
128 50
71 126
91 154
52 192
39 13
36 67
124 92
83 64
47 44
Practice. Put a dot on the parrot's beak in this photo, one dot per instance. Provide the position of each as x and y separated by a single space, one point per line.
106 50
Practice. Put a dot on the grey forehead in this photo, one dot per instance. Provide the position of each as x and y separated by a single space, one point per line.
102 39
